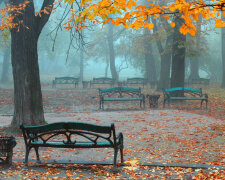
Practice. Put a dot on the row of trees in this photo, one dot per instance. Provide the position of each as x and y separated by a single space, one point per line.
27 25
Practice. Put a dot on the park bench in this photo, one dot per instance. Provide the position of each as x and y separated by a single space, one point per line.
201 81
184 93
121 94
72 135
137 80
65 80
102 81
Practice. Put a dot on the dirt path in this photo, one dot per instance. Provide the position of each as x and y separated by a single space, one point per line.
150 136
166 135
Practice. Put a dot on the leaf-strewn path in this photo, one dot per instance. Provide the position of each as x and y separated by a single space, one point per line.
150 136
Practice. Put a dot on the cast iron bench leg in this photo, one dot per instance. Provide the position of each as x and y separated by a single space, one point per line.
115 157
37 154
26 155
121 156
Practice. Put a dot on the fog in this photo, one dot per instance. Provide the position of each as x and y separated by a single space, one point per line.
129 53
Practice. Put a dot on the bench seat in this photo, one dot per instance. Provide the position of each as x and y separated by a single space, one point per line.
71 145
187 98
123 99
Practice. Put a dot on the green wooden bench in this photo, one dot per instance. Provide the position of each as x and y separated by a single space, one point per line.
65 80
202 81
136 80
184 93
121 94
72 135
102 81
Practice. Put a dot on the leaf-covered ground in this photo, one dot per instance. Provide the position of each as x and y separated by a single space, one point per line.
179 135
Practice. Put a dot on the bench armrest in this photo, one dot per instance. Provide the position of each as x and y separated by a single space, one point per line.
206 95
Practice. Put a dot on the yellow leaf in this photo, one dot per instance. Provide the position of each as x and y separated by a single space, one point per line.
172 24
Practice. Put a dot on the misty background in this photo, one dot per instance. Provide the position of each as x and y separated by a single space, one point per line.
128 46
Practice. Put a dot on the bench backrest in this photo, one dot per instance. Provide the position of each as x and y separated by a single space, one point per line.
136 80
66 79
182 91
68 129
120 91
200 81
103 80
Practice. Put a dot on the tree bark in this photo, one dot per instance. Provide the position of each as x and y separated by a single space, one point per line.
150 68
5 67
194 68
112 52
223 55
178 56
194 62
106 68
81 58
28 106
165 54
164 80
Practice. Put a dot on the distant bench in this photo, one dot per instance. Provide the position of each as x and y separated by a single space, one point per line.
72 135
121 94
202 81
137 80
102 80
184 93
65 80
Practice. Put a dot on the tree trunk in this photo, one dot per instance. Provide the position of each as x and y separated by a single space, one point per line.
5 67
150 68
223 55
81 58
194 62
164 80
106 68
28 107
178 56
194 68
112 52
165 54
81 64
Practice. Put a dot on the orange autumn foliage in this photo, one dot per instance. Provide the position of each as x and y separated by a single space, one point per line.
132 14
129 13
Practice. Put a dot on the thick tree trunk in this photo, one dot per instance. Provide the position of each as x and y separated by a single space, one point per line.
165 54
5 67
223 56
194 62
178 56
150 68
112 52
28 107
194 68
164 80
